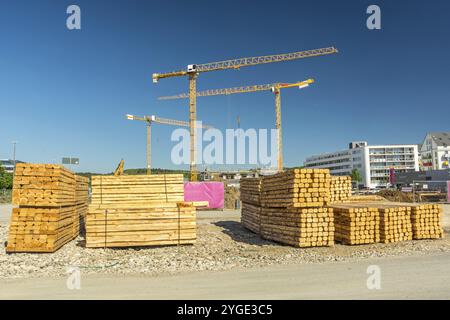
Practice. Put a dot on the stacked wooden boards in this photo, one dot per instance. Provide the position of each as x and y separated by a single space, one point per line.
250 189
340 188
356 224
296 188
140 189
294 208
82 201
43 185
395 222
146 210
47 217
299 227
427 221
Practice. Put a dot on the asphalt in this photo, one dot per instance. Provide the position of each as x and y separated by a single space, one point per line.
418 277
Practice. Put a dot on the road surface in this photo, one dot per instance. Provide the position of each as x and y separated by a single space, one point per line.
418 277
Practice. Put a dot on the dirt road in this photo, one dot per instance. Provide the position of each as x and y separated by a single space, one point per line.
424 277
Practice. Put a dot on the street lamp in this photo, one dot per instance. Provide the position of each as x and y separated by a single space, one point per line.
14 157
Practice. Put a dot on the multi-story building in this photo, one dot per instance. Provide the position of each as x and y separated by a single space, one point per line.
8 165
374 163
435 151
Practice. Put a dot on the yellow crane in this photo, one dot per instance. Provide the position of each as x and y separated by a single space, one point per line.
193 70
119 169
149 120
274 87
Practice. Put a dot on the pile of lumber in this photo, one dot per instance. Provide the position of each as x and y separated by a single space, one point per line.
395 222
82 200
296 188
356 224
47 216
366 198
250 189
299 227
125 225
139 211
340 188
427 221
43 185
293 208
136 189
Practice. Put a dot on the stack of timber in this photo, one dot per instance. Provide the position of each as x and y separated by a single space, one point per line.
139 211
426 219
146 189
46 218
356 224
340 188
296 188
365 198
251 203
127 225
395 222
293 208
299 227
82 200
43 185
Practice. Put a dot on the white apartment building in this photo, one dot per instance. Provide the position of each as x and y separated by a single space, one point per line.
435 151
373 162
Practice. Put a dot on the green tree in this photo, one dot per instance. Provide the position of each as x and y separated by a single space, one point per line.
6 179
356 176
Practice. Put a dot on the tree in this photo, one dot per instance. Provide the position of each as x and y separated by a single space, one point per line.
356 176
6 179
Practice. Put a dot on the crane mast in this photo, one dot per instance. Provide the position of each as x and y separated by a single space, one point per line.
154 119
193 70
274 87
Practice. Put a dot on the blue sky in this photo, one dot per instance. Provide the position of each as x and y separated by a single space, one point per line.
65 93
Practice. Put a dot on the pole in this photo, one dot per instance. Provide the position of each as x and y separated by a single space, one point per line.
14 157
278 127
149 147
192 123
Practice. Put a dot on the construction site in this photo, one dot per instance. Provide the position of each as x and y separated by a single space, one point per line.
273 232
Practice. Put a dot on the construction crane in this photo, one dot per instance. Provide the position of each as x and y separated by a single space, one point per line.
193 70
149 120
119 169
274 87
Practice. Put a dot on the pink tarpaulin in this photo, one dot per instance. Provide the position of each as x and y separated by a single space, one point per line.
213 192
448 191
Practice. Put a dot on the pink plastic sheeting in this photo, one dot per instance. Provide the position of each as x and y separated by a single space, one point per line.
448 191
213 192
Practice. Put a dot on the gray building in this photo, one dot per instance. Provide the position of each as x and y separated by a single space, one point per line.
8 164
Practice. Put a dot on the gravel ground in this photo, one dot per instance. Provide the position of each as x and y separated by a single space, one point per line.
223 244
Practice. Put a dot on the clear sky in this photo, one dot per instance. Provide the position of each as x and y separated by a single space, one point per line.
65 93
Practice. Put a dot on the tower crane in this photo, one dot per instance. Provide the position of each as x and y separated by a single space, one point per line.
154 119
193 70
274 87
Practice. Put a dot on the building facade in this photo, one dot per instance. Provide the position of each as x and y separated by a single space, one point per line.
435 151
8 165
374 163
